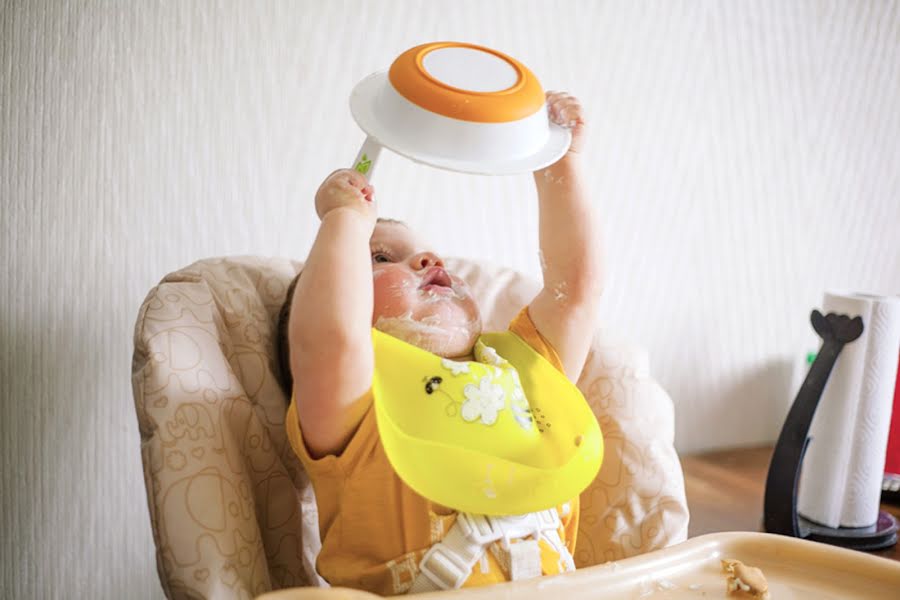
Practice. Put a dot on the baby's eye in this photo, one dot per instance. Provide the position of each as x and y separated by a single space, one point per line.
381 257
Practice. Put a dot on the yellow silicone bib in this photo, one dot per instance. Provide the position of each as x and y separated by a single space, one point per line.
507 434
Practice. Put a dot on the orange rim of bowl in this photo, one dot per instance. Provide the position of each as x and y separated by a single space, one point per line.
409 77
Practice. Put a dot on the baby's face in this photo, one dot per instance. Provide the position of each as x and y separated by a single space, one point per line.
416 299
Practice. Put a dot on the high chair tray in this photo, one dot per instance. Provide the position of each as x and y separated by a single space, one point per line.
795 569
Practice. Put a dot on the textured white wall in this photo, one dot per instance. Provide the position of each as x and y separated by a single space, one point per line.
745 156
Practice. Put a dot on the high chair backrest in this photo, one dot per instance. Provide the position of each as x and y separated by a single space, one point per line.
232 512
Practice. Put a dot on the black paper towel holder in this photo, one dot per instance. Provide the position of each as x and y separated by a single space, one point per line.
780 509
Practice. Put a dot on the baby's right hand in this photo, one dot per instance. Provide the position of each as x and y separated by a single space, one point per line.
346 187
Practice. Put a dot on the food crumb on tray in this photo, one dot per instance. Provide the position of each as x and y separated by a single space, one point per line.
745 580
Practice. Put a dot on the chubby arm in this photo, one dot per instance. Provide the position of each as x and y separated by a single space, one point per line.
329 330
565 310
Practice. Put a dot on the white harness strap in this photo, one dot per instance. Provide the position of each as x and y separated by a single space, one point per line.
448 563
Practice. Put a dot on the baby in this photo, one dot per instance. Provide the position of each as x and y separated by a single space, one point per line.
363 272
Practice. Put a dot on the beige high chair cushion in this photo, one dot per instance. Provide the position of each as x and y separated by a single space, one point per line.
232 512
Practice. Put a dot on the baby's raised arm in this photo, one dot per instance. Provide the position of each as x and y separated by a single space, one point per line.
331 316
565 310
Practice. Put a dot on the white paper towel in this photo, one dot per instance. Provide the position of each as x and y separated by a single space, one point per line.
840 484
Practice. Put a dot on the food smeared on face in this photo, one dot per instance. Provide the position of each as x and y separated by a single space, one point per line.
416 299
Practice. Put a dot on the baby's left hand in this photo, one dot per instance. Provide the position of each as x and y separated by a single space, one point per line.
566 110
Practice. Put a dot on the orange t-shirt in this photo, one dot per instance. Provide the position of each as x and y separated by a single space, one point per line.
374 528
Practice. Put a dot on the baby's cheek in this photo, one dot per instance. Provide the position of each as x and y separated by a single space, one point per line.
394 292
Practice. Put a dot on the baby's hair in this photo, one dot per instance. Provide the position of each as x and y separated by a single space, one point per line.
283 346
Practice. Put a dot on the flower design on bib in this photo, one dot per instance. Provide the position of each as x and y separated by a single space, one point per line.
454 366
487 355
483 402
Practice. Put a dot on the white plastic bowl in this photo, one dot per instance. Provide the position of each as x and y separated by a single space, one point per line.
500 125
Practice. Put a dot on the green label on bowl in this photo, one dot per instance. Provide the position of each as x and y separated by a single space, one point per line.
363 165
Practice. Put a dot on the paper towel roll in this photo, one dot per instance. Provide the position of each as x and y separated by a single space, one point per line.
873 419
840 484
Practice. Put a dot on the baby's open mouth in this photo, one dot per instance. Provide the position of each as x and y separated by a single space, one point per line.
436 279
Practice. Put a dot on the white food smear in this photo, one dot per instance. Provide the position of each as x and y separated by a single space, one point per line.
418 333
548 177
646 589
665 585
736 584
559 292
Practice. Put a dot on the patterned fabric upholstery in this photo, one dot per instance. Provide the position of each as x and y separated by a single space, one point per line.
232 511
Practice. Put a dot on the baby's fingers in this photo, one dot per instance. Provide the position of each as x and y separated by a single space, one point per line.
556 98
352 177
359 181
353 181
566 111
362 190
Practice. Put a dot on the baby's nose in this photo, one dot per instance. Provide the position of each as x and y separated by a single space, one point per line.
423 260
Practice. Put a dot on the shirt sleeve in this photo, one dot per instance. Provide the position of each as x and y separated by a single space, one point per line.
523 326
362 443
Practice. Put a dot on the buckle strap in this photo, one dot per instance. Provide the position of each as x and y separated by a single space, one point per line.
448 563
445 568
549 519
480 529
484 530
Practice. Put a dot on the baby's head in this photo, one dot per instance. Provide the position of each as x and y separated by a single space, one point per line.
415 298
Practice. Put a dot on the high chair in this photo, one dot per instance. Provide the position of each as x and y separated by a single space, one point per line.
232 512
